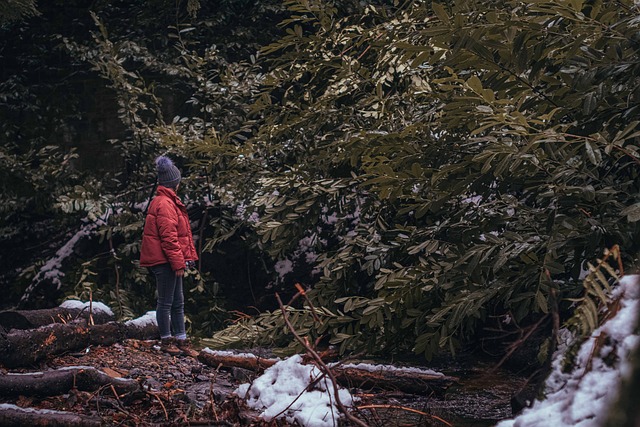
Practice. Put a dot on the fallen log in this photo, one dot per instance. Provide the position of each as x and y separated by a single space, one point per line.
408 380
12 415
26 347
60 381
386 377
30 319
235 360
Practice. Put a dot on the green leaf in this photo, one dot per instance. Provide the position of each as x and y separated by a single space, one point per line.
441 13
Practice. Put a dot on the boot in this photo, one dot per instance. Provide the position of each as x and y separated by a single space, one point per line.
167 345
185 347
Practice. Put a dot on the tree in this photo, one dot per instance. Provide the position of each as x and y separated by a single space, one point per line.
452 162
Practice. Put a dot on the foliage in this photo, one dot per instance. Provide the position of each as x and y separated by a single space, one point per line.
16 10
421 166
472 156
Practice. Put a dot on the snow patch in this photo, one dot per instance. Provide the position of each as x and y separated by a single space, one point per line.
283 267
226 353
284 391
31 410
389 368
149 318
96 307
583 398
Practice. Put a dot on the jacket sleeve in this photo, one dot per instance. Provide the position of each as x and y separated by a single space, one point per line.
167 220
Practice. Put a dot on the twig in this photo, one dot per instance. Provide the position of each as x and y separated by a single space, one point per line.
304 294
115 393
161 404
115 266
292 402
519 342
91 308
212 398
323 367
404 408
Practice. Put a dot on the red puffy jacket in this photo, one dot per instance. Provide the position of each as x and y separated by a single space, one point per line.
167 234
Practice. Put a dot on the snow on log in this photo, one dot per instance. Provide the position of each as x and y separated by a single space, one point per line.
237 360
61 381
26 347
30 319
12 415
409 380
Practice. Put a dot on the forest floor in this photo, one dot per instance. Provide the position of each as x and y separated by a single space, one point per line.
175 390
183 391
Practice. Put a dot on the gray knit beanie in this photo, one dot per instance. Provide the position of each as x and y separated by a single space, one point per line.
168 173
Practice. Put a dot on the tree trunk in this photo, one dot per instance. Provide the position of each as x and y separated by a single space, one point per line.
26 347
61 381
382 377
30 319
11 415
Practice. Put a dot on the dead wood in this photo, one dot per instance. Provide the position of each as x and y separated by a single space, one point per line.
244 361
383 378
11 415
322 366
26 347
393 379
30 319
61 381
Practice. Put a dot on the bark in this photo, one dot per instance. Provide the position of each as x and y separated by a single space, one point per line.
244 361
11 415
394 379
27 347
61 381
408 382
30 319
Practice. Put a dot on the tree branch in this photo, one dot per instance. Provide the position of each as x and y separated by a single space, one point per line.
322 366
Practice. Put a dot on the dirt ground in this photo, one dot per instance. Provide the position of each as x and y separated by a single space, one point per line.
174 390
179 391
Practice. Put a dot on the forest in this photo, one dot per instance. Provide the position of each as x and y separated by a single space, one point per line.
408 181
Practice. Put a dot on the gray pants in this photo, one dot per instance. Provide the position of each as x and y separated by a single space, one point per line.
170 307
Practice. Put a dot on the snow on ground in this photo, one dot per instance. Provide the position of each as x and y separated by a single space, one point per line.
148 318
282 392
96 307
582 398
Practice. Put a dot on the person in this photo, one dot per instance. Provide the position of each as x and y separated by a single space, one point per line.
167 249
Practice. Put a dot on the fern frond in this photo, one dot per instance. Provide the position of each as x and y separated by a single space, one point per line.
593 305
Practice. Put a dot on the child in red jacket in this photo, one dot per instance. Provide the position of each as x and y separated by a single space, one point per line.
167 247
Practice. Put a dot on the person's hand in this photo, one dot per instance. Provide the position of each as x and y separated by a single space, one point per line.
180 273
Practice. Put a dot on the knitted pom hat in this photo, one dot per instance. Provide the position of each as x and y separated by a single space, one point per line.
168 173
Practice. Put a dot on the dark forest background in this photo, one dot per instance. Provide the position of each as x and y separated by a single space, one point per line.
435 175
